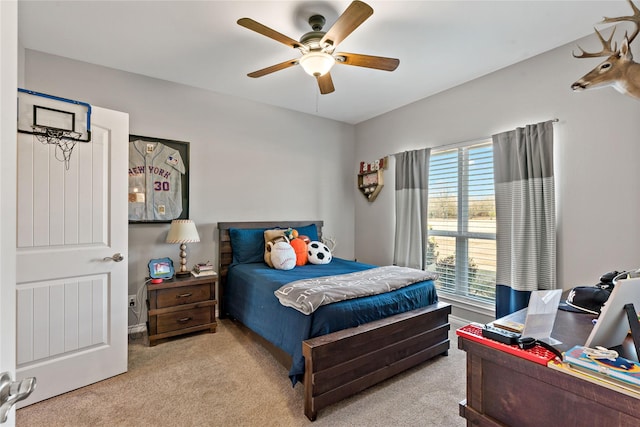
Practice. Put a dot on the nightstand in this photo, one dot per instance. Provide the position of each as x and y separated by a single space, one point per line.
180 306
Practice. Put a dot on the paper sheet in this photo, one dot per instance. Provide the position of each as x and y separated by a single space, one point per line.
541 315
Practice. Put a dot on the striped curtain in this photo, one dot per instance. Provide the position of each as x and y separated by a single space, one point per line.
412 179
525 215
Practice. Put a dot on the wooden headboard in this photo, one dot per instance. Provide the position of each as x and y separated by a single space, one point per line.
225 251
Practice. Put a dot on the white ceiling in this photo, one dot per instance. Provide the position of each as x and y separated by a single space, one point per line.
440 44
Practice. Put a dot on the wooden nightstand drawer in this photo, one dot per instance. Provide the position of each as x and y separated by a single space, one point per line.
183 295
183 319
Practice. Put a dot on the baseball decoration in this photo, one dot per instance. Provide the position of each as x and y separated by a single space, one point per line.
283 256
319 253
374 166
155 181
370 180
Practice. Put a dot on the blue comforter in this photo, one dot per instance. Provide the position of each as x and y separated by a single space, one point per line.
249 297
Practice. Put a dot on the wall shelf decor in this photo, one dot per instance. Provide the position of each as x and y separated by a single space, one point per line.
370 180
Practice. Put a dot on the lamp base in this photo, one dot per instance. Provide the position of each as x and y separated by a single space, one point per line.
182 273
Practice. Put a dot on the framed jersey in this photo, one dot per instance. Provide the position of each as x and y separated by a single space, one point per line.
158 179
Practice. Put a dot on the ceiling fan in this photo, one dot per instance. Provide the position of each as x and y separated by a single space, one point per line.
318 47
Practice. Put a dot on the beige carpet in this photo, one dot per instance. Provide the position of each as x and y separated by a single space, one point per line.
227 379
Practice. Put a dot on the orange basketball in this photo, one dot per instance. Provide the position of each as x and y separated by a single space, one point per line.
300 248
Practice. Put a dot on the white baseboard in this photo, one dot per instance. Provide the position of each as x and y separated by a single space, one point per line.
457 322
134 329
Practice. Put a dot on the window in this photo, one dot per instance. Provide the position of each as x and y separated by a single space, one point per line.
462 221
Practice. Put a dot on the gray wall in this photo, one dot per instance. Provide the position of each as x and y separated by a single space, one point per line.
597 147
251 161
248 161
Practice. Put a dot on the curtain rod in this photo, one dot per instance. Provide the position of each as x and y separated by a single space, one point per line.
473 141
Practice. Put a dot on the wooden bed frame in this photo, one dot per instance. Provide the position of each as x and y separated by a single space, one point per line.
343 363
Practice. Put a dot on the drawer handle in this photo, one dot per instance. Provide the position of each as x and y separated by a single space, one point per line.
188 294
184 319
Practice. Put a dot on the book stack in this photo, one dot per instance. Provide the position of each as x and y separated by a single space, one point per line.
509 325
617 373
203 269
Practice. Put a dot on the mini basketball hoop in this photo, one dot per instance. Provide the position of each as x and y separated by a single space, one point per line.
54 121
64 141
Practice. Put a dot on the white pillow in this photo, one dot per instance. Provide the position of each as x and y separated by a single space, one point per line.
319 253
283 256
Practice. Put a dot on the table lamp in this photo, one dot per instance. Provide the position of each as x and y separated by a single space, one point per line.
183 231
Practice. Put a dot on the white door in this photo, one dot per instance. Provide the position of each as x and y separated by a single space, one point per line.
71 296
8 85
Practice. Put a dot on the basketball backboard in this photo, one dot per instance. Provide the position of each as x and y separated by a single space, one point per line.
41 115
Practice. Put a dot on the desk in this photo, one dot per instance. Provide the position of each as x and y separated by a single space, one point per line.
506 390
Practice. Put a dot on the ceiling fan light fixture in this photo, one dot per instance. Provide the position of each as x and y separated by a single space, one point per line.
317 63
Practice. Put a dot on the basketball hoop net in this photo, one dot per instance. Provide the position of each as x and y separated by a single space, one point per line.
63 140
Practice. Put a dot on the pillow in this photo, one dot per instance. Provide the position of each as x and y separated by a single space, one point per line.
300 248
282 256
310 231
319 253
271 237
247 244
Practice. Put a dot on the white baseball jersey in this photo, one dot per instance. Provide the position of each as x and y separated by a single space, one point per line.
155 181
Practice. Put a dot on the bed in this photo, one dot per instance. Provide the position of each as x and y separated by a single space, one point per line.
343 347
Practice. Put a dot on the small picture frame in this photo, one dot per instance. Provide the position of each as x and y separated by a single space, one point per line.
161 268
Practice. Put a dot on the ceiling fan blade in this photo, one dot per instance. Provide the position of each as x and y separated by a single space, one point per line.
368 61
266 31
326 84
274 68
356 14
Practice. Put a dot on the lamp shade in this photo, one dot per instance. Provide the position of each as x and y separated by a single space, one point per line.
317 63
183 231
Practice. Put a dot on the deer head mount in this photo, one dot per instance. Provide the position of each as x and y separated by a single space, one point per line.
618 70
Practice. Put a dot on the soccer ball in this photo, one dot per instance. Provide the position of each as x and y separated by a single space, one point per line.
319 253
283 256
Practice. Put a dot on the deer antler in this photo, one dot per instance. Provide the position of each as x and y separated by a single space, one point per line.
607 49
635 18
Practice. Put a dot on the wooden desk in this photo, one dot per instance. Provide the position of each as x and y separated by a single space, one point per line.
506 390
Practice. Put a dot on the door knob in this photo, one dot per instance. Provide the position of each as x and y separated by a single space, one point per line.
117 257
11 392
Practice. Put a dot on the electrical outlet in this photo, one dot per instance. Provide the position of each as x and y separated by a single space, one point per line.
132 301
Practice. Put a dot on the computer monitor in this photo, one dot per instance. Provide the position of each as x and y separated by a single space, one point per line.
613 325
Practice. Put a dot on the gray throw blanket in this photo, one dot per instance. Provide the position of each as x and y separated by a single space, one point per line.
308 294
